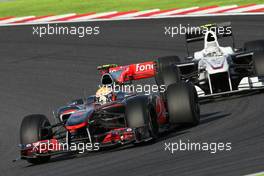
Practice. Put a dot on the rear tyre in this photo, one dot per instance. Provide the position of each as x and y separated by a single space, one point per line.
33 129
182 103
166 73
139 113
165 61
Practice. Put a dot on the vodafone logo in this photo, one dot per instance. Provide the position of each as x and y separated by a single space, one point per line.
144 67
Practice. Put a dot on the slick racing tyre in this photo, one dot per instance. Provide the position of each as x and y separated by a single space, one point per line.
166 73
140 113
33 129
165 61
182 103
258 63
257 45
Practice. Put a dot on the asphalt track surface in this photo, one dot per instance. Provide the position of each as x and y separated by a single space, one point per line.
37 75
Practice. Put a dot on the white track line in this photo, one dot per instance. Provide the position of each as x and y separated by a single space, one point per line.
93 16
214 9
256 174
51 18
174 11
11 20
244 9
138 13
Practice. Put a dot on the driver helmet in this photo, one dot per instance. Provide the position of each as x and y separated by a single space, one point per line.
103 95
212 48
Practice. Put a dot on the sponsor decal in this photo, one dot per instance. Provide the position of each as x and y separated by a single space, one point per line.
144 67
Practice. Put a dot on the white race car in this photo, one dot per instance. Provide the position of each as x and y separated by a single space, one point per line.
216 70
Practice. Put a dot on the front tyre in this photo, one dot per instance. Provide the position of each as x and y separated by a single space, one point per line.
141 114
256 45
35 128
182 104
258 63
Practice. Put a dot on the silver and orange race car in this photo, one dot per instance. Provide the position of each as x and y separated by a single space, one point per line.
110 118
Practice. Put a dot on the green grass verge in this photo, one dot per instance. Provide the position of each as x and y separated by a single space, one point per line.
54 7
259 174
